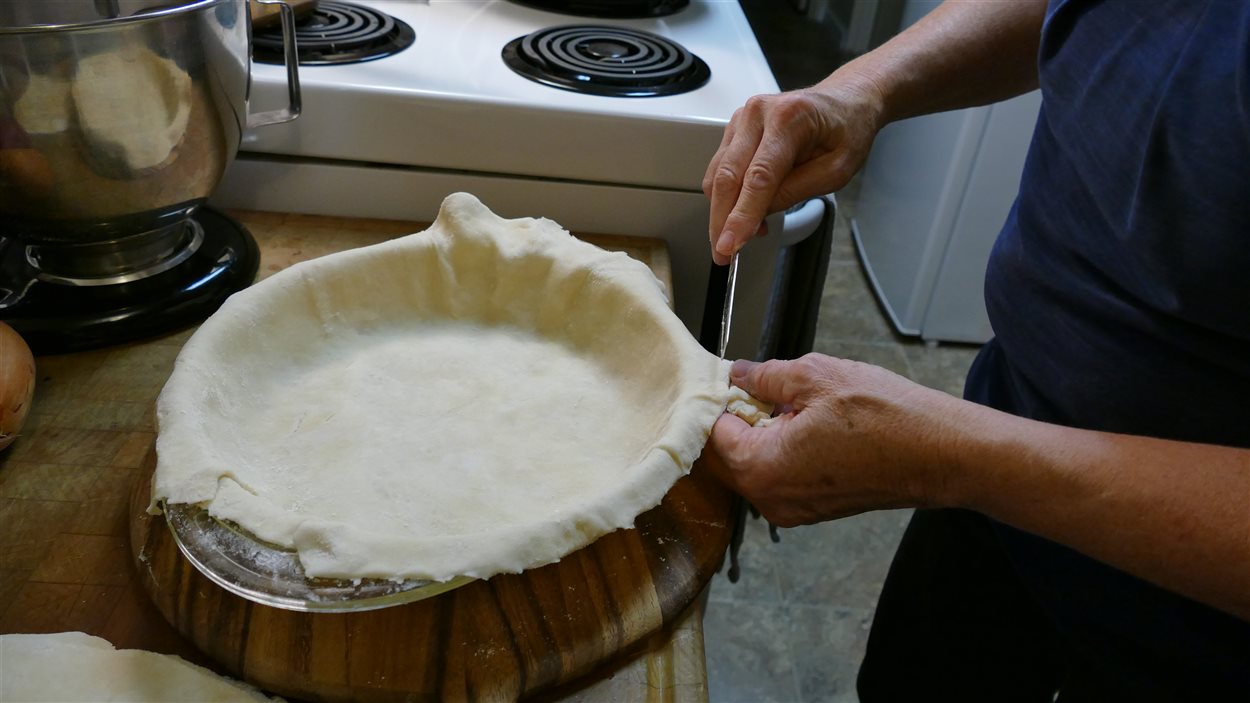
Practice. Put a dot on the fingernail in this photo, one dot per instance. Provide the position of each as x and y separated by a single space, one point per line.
741 368
725 244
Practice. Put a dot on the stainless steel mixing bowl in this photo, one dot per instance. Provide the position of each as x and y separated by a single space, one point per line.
117 120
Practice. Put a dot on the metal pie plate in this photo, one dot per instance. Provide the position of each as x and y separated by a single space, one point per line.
270 575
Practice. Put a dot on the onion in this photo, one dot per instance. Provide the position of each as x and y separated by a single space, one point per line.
17 383
28 171
23 167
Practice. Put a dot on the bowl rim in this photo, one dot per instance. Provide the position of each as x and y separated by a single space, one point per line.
154 15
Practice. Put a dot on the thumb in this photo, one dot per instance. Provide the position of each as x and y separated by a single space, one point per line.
728 435
774 381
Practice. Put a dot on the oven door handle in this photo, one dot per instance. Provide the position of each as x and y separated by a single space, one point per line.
290 56
801 221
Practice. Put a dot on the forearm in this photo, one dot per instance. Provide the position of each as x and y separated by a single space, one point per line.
1174 513
963 53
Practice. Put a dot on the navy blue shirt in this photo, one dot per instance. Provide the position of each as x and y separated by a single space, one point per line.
1120 286
1119 293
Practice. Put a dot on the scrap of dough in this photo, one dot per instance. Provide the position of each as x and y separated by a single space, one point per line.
132 106
751 409
483 397
74 666
44 107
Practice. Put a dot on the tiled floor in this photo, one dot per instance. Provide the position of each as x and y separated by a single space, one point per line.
794 626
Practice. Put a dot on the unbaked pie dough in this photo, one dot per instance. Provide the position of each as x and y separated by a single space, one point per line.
73 666
482 397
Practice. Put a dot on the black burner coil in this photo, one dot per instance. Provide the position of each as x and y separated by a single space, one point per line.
605 60
337 33
619 9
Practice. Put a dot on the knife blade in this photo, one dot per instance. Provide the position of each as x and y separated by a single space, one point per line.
731 282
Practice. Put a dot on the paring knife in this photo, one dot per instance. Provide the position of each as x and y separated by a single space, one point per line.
740 507
726 316
739 504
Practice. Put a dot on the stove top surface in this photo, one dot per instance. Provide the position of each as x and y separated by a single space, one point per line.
450 101
459 46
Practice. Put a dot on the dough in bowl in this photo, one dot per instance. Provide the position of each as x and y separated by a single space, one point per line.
132 107
482 397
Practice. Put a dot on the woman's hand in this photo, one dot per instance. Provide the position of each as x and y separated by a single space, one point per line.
779 150
853 438
850 438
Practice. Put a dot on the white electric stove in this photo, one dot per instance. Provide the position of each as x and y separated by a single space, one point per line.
391 136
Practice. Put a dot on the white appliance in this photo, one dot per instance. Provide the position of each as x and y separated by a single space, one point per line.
391 137
934 193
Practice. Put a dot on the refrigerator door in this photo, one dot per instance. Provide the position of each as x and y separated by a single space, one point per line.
935 192
956 310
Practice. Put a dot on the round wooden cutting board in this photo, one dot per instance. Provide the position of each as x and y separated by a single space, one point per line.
500 639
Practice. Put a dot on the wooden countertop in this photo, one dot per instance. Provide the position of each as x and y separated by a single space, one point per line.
65 485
